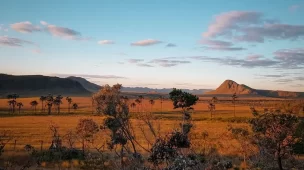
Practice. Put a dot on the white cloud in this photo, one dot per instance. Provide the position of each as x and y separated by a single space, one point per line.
25 27
102 42
13 42
44 23
146 42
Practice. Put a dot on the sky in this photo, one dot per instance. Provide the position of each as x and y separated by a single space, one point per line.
158 44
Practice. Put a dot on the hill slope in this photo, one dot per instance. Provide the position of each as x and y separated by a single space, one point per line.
229 87
86 84
36 85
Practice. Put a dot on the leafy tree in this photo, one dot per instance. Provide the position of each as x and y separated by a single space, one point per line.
185 101
42 99
34 104
234 97
19 105
86 129
109 102
69 99
275 134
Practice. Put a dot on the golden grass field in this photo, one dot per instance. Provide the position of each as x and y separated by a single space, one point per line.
29 128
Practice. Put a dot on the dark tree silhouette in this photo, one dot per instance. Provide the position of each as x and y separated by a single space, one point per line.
34 104
152 102
42 99
133 105
69 99
19 105
138 101
12 101
57 102
234 97
211 108
49 103
75 106
161 99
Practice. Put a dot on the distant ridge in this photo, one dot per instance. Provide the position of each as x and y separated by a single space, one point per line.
86 84
229 87
36 85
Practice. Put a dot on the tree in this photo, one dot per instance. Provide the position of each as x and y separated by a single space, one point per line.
5 138
42 99
34 104
86 129
69 99
109 102
138 101
275 134
211 108
57 102
49 103
75 106
140 98
133 105
152 102
12 101
19 105
185 101
234 97
161 99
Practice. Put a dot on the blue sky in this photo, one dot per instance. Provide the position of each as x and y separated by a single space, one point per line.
183 44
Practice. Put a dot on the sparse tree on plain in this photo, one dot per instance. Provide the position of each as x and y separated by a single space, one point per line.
152 102
211 108
49 103
138 101
57 102
42 99
34 104
19 105
133 106
75 106
69 99
86 129
234 97
161 99
12 101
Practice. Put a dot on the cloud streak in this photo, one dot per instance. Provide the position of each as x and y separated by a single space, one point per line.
25 27
147 42
91 76
13 42
103 42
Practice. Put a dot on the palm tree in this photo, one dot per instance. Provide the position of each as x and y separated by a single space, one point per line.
152 102
69 99
140 97
34 105
19 105
42 99
75 106
57 102
211 108
12 102
234 97
49 103
214 99
133 105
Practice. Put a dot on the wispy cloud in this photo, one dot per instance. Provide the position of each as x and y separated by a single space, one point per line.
3 28
219 45
147 42
294 8
250 26
168 63
135 60
37 51
44 23
102 42
144 65
13 42
90 76
25 27
171 45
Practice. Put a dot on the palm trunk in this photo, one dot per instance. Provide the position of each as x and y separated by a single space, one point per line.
49 110
69 107
42 109
19 110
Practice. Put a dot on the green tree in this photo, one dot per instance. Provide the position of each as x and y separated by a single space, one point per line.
275 135
34 104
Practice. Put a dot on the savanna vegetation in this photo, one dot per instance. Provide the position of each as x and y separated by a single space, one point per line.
178 131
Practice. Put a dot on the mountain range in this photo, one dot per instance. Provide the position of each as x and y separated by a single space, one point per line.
36 85
229 87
